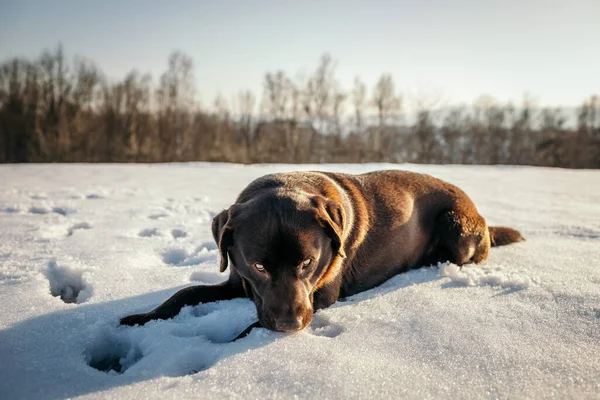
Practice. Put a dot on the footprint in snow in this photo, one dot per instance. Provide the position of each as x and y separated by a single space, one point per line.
174 256
320 326
148 232
178 233
112 352
78 226
90 196
157 216
61 210
57 210
38 210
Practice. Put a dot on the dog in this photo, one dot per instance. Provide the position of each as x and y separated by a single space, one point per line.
297 242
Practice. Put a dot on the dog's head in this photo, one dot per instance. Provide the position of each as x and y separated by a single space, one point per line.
284 246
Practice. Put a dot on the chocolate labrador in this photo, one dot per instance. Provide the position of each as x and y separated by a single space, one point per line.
297 242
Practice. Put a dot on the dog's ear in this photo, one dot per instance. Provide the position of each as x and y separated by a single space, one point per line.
223 233
331 216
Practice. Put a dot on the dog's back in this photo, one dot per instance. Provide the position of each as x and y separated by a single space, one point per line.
395 220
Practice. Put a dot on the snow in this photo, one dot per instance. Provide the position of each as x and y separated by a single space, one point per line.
67 283
484 276
82 245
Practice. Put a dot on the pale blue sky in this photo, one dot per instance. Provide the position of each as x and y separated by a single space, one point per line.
549 48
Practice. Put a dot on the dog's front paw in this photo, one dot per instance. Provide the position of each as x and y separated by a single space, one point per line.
135 319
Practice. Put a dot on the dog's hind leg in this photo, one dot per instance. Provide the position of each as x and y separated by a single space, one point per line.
189 296
462 236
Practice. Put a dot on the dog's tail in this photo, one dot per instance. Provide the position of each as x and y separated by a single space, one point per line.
501 236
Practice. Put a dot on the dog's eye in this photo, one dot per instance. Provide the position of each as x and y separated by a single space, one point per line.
259 267
306 263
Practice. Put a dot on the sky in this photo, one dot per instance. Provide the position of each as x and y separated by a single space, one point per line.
443 51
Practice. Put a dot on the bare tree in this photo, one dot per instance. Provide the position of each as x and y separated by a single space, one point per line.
55 88
387 104
175 97
246 104
589 116
429 140
553 119
521 147
455 127
338 106
276 94
359 99
320 93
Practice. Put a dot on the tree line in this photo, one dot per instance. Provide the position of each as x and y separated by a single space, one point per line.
57 110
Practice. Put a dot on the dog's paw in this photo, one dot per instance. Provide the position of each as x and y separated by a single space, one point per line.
135 319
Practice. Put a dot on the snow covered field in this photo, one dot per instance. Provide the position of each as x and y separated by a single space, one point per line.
82 245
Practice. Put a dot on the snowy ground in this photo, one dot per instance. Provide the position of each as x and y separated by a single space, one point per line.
82 245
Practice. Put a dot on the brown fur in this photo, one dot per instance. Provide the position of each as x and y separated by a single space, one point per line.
354 231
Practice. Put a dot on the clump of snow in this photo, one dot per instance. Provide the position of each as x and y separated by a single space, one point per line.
207 277
180 257
477 276
67 283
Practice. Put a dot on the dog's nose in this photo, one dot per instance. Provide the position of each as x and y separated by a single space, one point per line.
288 324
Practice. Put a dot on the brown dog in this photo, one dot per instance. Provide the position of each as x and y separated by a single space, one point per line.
300 241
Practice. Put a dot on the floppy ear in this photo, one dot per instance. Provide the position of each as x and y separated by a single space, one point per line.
331 215
223 234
